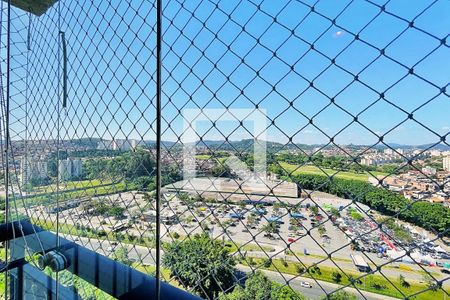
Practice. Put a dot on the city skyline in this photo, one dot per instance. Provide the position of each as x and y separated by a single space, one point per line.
444 146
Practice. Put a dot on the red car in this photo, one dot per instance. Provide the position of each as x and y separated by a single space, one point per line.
291 240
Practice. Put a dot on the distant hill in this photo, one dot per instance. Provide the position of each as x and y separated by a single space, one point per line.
274 146
247 144
441 147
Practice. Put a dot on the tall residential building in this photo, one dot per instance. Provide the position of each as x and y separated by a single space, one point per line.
105 145
76 168
446 163
124 144
399 151
69 168
32 169
64 169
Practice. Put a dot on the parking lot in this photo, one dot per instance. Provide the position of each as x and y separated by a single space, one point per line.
275 224
304 229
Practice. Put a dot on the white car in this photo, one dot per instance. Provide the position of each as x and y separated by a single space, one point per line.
305 284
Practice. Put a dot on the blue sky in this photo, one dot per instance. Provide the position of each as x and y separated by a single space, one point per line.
224 57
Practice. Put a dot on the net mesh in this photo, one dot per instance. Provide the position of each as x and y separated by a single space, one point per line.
285 165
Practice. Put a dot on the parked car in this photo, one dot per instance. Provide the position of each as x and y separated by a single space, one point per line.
445 256
305 284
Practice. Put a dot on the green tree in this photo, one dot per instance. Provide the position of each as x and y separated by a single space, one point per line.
250 219
276 208
116 211
237 294
431 216
341 295
299 269
120 254
284 292
335 212
270 228
336 277
241 205
267 263
321 230
430 282
314 209
201 263
259 287
403 281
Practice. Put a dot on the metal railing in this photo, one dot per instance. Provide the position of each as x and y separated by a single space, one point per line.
109 276
234 149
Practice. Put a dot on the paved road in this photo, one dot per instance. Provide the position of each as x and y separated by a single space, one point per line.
140 253
348 265
318 288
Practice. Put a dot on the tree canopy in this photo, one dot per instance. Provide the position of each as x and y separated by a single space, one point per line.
129 164
258 287
200 263
341 295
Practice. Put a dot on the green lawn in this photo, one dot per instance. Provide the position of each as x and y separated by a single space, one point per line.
77 193
221 160
90 233
151 270
233 247
71 185
372 283
2 275
203 156
313 170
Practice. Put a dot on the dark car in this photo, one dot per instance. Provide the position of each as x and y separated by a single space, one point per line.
445 256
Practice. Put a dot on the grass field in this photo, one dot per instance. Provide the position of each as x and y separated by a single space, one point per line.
203 156
84 189
206 157
71 185
90 233
313 170
2 275
233 247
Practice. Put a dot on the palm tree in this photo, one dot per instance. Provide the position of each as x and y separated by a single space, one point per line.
321 230
276 208
250 219
314 209
270 228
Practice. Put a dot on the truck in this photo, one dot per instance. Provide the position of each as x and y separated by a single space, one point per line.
360 263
